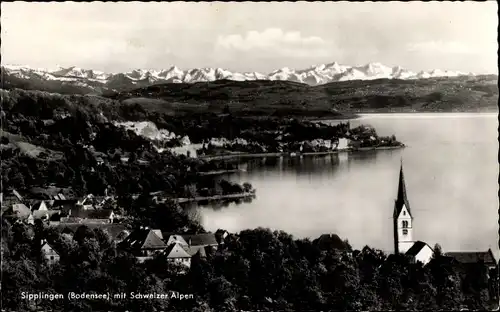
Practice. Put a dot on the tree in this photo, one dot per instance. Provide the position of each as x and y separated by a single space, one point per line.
438 252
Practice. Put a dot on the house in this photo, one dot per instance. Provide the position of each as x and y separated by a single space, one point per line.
340 144
201 240
99 161
420 251
200 243
64 205
194 243
49 253
89 197
45 216
173 239
80 215
41 205
18 212
175 253
59 196
474 257
144 243
330 242
91 202
9 198
30 219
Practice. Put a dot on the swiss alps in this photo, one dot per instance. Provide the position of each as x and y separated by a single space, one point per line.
314 75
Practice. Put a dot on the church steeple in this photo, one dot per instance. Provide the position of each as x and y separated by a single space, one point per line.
402 197
403 220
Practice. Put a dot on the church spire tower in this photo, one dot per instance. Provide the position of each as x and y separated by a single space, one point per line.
403 220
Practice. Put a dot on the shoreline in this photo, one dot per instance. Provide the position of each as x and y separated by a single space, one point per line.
249 155
217 172
183 200
360 115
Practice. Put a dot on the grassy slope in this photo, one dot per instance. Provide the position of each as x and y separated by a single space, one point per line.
34 151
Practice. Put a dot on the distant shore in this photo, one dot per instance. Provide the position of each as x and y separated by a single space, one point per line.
218 172
251 155
215 197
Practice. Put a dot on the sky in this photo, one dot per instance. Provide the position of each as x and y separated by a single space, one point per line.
250 36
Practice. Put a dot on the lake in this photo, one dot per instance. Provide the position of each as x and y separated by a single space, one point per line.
451 172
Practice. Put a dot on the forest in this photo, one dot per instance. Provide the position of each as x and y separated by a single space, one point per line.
255 269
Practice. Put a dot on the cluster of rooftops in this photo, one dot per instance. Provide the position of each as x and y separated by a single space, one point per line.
145 242
59 209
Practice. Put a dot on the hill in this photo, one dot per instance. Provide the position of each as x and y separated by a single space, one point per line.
262 97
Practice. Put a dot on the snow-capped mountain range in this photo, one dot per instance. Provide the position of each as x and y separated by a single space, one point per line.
314 75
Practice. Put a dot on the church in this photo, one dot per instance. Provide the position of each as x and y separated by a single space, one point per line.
421 251
403 227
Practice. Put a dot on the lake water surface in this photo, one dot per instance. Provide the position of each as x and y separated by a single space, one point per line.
451 172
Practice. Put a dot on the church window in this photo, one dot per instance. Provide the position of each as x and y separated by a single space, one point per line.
405 224
405 232
404 213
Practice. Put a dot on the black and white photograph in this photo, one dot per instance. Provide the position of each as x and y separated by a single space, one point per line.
249 156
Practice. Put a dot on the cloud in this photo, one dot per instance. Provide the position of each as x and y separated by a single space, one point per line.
442 47
274 40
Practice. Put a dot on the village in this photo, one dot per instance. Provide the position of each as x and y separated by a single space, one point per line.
67 215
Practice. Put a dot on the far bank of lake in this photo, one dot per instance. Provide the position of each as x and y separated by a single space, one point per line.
254 155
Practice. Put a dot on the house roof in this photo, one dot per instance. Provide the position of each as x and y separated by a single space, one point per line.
176 251
205 239
169 237
402 197
62 202
197 250
37 214
17 210
473 257
39 205
92 213
328 241
143 239
49 245
416 248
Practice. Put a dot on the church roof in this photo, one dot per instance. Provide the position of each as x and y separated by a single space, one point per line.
416 248
402 197
473 257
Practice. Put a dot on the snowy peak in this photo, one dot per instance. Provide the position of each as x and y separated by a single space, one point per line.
314 75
